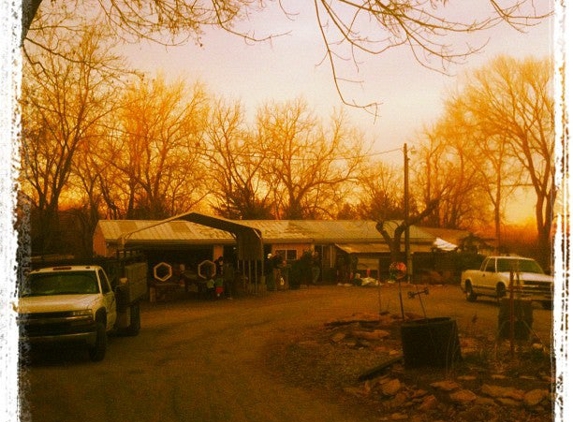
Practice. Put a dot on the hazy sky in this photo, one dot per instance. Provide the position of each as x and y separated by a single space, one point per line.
290 67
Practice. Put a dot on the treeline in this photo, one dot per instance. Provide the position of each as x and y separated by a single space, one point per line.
101 141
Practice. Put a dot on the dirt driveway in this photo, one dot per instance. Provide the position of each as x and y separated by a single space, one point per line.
209 361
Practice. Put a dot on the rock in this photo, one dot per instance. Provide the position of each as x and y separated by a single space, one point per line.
370 335
419 393
383 379
398 416
391 387
485 401
534 397
359 317
467 378
473 414
508 402
502 392
429 403
386 321
537 346
362 344
446 385
338 337
354 391
400 400
463 396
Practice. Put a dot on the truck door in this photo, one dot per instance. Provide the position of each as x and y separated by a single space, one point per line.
482 278
487 277
109 298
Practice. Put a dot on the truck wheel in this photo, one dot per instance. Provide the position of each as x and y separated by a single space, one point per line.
547 305
97 351
500 290
135 321
470 295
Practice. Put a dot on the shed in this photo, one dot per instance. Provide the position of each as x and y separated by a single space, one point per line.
190 230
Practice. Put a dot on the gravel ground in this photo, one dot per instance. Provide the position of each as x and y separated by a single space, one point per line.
293 356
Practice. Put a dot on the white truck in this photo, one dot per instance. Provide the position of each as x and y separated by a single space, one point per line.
496 273
81 304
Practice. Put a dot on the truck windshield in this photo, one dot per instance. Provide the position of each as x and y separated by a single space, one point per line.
68 283
520 265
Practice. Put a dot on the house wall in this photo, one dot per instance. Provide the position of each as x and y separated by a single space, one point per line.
218 250
298 247
100 247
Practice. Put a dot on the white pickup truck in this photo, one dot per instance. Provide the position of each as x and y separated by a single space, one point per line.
494 276
80 304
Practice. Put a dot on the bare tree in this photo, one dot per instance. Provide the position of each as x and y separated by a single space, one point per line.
514 99
490 153
63 103
348 28
444 169
157 149
392 231
240 191
381 192
308 164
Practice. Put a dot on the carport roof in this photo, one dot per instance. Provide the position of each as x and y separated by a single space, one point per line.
190 228
196 228
148 231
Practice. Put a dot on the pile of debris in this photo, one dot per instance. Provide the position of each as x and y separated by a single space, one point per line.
484 386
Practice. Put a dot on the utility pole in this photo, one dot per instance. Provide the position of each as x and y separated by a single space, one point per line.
407 215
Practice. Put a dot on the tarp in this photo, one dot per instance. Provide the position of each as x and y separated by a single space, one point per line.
444 245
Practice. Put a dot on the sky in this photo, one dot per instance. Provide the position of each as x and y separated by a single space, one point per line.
290 67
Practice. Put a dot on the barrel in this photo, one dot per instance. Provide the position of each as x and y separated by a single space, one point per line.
430 342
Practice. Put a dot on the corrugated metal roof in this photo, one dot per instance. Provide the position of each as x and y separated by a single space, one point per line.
174 231
273 231
316 231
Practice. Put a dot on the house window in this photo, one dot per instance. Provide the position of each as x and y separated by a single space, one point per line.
287 254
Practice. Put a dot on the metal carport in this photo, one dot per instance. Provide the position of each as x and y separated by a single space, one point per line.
249 241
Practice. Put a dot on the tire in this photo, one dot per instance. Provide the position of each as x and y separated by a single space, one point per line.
500 291
547 305
97 351
470 295
135 321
